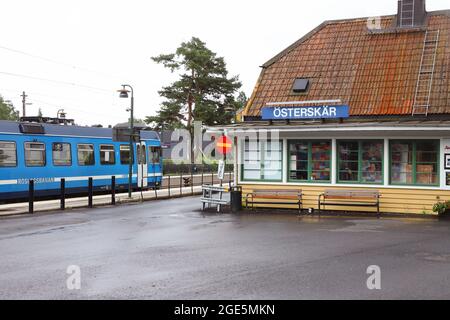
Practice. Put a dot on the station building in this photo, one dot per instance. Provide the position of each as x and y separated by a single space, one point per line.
358 104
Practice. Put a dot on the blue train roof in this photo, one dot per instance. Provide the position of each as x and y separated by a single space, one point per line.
75 131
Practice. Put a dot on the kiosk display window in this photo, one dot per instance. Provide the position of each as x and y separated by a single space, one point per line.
414 162
360 162
310 161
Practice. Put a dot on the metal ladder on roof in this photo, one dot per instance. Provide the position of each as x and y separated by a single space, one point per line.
426 73
407 13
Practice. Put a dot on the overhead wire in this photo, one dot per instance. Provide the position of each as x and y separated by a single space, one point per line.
64 98
103 74
96 90
77 108
55 81
67 106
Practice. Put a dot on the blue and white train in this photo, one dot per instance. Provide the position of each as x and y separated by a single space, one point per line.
47 153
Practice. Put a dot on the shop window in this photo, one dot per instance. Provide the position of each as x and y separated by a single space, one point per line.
35 154
360 162
8 154
310 161
414 162
107 155
61 154
372 161
86 155
262 161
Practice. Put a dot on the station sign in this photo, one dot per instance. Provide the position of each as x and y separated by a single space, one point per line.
305 112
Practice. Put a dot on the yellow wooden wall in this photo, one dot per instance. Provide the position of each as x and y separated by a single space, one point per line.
415 201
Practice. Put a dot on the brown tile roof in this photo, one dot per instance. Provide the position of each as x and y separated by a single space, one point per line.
374 73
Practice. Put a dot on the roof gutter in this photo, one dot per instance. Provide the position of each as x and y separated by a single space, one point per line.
372 128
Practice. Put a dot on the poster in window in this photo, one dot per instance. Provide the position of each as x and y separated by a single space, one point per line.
447 161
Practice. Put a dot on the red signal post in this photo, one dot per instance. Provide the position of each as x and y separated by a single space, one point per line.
224 145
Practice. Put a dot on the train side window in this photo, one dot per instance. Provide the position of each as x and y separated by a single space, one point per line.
8 154
62 155
154 154
35 154
124 154
107 155
86 155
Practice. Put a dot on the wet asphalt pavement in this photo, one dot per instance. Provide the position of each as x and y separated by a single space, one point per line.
169 250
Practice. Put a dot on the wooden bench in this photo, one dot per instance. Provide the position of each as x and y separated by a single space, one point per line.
355 198
274 197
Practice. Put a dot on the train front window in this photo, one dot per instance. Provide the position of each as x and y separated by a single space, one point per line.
62 156
124 154
34 154
8 154
86 155
154 155
107 155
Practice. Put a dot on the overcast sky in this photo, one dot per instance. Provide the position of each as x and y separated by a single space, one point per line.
87 48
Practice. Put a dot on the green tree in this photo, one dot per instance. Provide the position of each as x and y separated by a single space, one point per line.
203 92
238 104
7 111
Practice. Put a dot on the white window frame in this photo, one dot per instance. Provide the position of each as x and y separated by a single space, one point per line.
262 160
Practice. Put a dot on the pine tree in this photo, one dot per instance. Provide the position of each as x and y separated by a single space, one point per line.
204 91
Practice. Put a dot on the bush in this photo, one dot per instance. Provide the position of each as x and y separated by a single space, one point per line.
441 207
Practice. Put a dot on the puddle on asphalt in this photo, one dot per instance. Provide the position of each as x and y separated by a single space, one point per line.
359 228
434 257
40 232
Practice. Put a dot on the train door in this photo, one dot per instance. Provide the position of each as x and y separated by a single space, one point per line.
142 172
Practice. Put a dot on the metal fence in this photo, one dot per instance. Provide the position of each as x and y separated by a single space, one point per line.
172 168
172 186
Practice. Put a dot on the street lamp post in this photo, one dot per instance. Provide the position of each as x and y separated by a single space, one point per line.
124 94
